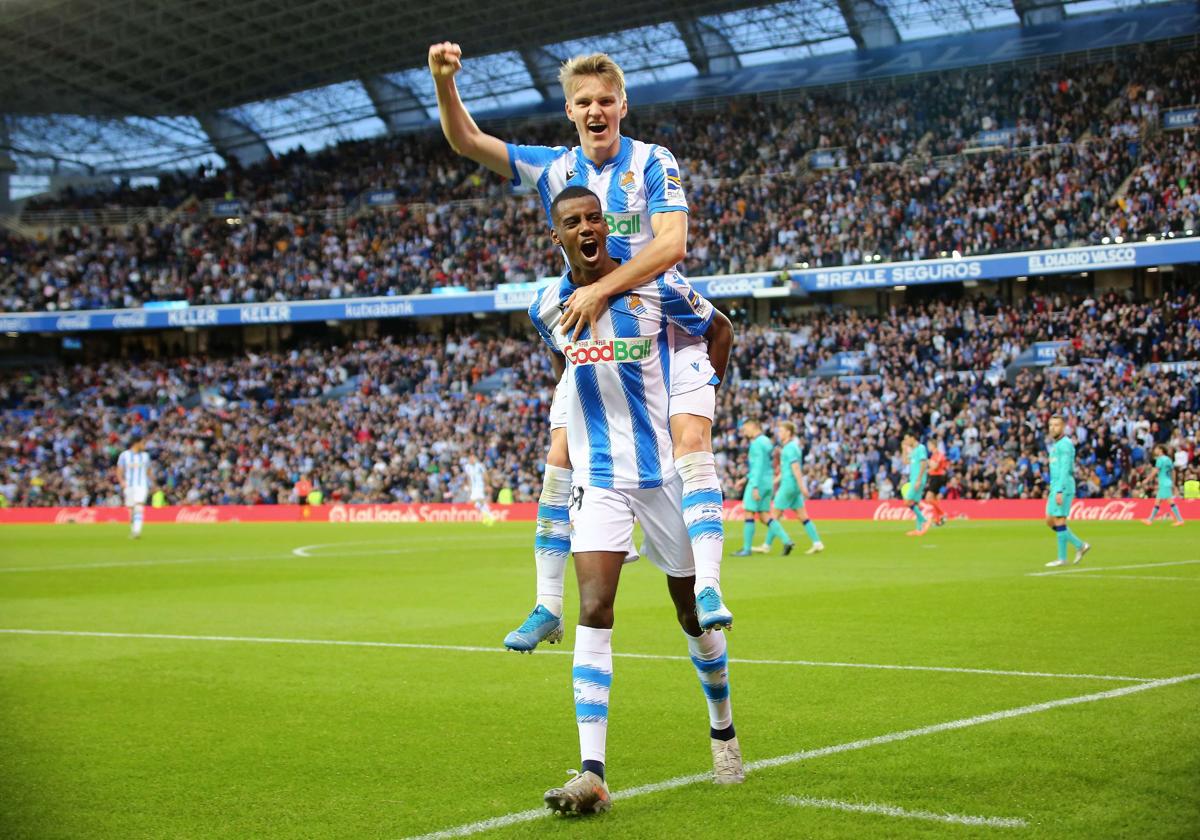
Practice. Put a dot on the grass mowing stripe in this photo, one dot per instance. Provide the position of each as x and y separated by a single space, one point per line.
411 547
792 758
802 663
1090 569
894 811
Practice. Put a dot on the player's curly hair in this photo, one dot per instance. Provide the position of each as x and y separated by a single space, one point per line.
596 64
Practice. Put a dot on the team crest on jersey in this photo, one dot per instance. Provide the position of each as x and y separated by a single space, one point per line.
635 304
627 181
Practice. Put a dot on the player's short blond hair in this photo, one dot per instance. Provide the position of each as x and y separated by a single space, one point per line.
790 426
596 64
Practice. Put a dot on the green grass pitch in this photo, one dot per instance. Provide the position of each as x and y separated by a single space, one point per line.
246 735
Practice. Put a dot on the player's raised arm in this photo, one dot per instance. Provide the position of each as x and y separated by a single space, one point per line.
465 137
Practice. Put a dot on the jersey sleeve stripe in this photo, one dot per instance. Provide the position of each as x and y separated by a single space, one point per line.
535 315
680 311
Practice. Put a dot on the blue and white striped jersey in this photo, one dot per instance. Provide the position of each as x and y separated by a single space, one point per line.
619 380
134 468
642 180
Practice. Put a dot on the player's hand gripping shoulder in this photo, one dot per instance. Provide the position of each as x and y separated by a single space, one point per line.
584 308
445 59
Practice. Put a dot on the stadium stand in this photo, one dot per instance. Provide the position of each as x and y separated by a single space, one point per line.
393 420
1070 154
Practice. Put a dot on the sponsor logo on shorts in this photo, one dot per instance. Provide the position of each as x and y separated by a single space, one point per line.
603 351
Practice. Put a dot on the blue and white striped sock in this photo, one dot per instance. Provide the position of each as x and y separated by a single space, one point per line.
702 504
712 666
552 539
592 679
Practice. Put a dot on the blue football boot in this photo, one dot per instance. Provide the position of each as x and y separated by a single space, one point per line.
711 612
541 626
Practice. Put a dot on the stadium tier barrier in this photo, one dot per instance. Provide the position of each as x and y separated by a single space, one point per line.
515 297
1108 510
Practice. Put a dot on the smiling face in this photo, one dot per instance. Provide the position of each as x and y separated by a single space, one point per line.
596 107
582 232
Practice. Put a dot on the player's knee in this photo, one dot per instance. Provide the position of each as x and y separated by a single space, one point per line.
595 611
690 434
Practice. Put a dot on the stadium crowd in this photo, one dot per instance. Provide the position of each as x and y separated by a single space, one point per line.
394 420
912 180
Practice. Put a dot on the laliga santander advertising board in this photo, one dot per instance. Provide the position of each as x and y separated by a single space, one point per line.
1083 510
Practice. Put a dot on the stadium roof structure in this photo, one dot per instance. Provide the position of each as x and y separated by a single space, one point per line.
139 86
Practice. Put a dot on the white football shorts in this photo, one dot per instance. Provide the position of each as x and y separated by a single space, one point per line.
136 495
602 520
692 375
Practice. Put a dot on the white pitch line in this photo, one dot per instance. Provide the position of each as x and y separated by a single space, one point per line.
306 550
117 564
895 811
1086 569
800 663
1135 577
792 758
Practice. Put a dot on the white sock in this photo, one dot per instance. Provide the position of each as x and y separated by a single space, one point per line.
592 679
708 655
135 520
552 540
702 503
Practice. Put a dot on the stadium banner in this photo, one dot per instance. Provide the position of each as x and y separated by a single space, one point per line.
879 510
1046 352
220 209
998 266
512 296
827 159
516 296
379 198
989 138
1181 118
